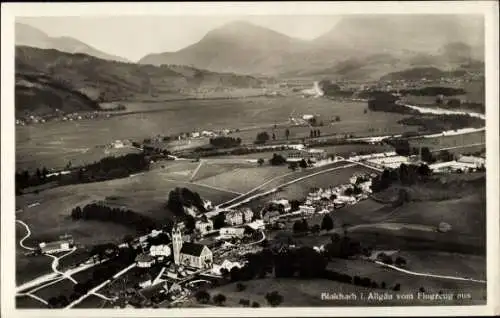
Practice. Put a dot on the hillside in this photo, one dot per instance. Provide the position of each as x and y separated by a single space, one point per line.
356 47
38 94
26 35
104 81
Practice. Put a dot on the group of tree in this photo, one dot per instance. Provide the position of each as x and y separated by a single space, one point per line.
100 212
433 91
301 226
443 122
277 160
225 142
179 198
405 174
327 223
25 179
262 138
315 133
219 220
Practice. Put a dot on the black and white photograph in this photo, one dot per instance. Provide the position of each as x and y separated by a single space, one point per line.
229 160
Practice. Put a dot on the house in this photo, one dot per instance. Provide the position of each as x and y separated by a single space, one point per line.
144 261
238 217
207 204
230 232
256 225
160 251
204 225
477 161
56 246
196 255
285 203
145 281
306 209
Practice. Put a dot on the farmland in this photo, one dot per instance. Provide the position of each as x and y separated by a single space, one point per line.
53 144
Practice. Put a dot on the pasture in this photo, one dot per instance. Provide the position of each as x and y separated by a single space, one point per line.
307 293
452 141
53 144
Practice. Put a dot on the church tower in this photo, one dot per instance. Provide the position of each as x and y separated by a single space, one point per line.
176 243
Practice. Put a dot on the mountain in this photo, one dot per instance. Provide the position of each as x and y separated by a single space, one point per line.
100 80
39 94
238 47
26 35
358 46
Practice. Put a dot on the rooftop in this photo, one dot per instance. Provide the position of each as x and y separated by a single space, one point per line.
194 249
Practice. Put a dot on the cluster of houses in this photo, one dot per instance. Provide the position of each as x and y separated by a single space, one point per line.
322 200
462 164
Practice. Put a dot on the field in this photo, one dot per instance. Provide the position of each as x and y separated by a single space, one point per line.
307 293
445 142
53 144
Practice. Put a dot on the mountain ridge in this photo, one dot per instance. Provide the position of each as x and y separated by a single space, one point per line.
27 35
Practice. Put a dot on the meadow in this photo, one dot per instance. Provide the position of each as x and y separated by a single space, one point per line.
53 144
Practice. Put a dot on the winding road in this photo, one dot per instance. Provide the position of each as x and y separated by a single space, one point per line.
28 234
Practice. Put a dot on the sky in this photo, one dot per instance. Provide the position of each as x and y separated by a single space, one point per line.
133 37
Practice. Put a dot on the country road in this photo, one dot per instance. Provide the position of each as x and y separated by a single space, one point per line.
28 234
430 275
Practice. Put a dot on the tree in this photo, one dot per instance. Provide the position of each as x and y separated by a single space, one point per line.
219 220
202 296
274 136
241 287
427 155
293 166
327 223
260 161
244 302
190 223
397 287
316 228
383 285
303 163
365 111
337 118
274 298
311 134
399 261
255 304
262 138
421 289
219 299
277 160
287 133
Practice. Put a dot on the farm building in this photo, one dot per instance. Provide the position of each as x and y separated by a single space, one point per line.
390 162
306 154
144 261
306 209
283 202
478 161
160 250
229 232
56 246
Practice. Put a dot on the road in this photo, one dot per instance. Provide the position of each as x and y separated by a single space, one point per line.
28 234
430 275
99 287
287 184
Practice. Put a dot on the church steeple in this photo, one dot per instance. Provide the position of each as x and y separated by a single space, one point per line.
176 242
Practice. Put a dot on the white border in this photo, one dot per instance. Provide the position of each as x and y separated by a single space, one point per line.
488 8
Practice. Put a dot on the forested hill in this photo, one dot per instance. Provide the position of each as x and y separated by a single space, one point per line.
104 80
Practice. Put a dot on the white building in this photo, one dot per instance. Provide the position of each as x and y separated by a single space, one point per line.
204 226
239 217
306 209
478 161
144 261
55 247
160 251
230 232
256 225
285 203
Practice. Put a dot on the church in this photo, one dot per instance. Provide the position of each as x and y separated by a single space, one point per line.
190 254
